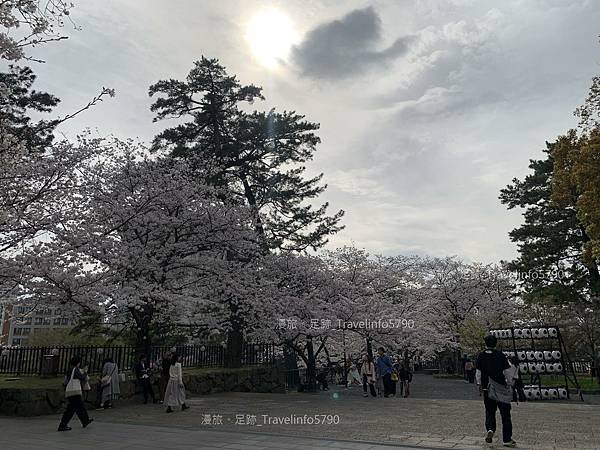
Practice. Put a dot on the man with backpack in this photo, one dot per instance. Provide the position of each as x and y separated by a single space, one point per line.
494 379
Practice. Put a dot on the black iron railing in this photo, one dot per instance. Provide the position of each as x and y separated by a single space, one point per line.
29 360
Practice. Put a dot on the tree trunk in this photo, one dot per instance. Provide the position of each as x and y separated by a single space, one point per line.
369 349
143 343
311 367
235 346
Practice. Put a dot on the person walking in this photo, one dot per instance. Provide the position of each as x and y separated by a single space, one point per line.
367 372
165 364
494 379
353 377
175 392
109 384
518 386
142 374
469 371
384 371
321 377
74 378
405 376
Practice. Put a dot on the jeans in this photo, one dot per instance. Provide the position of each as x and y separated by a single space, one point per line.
490 416
74 406
371 386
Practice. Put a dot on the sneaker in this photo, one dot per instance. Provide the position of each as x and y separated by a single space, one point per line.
489 436
365 394
184 407
510 443
65 428
169 409
87 423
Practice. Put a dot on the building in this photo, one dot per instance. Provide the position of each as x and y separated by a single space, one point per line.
18 322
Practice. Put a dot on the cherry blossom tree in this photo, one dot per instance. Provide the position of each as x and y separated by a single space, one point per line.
140 235
30 23
463 294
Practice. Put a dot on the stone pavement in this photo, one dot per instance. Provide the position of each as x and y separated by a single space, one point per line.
40 434
451 419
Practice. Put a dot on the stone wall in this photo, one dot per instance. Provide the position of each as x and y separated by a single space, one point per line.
30 402
259 379
36 402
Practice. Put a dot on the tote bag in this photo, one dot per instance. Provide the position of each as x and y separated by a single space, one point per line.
500 392
73 387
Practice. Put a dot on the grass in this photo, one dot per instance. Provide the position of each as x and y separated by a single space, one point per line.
585 382
451 376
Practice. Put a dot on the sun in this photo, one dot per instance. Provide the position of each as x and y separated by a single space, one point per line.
271 35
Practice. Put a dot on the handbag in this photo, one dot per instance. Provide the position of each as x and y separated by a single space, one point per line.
500 392
394 376
73 387
105 380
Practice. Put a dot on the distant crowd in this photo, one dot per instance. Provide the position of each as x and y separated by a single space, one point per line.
380 375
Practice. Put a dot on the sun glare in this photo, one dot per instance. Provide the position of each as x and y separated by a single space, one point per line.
271 35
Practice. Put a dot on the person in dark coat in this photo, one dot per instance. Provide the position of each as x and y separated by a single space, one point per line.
405 376
142 374
74 377
493 367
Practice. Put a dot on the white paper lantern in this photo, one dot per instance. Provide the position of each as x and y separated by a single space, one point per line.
509 333
543 332
548 355
528 394
552 332
522 355
553 393
549 367
530 355
540 367
558 367
518 333
539 356
537 394
556 354
523 368
562 393
545 394
535 333
526 333
532 367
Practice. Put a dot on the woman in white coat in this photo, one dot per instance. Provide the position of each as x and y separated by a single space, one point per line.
175 392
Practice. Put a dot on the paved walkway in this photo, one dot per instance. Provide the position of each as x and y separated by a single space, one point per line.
453 419
40 434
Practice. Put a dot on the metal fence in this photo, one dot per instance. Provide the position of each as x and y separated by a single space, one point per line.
30 360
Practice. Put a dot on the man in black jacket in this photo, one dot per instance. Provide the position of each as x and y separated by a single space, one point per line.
142 373
492 365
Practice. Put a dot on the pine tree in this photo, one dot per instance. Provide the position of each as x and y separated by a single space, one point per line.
259 156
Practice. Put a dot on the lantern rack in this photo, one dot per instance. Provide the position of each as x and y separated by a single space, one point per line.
540 351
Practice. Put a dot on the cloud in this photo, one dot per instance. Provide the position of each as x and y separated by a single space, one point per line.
346 47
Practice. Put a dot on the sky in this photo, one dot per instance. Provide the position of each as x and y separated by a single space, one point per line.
427 107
